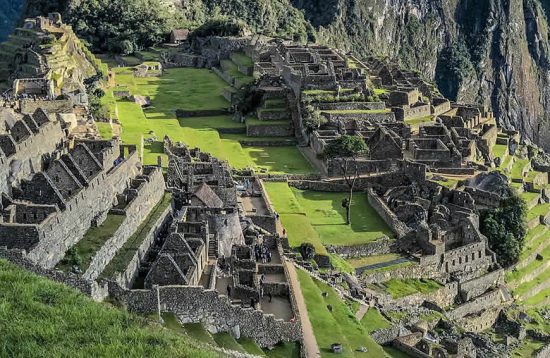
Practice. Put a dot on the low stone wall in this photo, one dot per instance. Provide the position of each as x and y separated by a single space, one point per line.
183 113
381 246
398 227
386 335
127 277
197 305
443 297
454 171
486 301
363 166
266 222
407 113
267 143
480 322
478 286
409 350
91 288
350 106
317 185
382 117
400 273
149 195
277 130
28 106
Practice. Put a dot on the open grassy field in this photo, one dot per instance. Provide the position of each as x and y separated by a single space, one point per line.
192 90
41 318
336 326
328 217
318 217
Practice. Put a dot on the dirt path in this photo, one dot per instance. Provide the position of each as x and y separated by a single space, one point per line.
310 347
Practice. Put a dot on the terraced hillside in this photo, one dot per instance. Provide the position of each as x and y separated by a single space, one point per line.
190 105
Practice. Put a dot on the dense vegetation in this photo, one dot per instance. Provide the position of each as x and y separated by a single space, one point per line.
9 11
40 318
505 229
122 26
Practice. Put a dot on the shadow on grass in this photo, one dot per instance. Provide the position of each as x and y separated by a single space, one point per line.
155 147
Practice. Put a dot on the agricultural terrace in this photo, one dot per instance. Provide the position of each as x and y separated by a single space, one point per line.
319 218
192 89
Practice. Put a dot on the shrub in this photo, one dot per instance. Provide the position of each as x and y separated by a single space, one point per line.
505 229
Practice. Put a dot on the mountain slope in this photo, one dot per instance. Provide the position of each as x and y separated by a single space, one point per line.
494 52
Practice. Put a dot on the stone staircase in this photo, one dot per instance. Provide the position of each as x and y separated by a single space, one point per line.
213 247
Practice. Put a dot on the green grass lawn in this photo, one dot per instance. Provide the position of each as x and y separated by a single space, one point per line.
318 217
192 89
41 318
500 150
92 241
336 326
105 130
374 259
426 119
327 216
401 288
130 247
517 168
538 210
373 320
225 340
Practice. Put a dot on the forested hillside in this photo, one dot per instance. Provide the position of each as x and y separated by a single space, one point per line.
494 52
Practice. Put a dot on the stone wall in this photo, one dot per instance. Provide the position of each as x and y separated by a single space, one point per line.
28 153
197 305
60 232
407 113
149 195
363 166
348 106
484 302
478 286
398 227
126 278
403 272
381 246
28 106
91 288
409 350
382 117
284 129
443 297
318 185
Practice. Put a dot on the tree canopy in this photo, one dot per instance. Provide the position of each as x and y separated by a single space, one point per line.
346 146
122 26
505 229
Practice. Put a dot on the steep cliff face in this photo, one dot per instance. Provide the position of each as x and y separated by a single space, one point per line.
494 52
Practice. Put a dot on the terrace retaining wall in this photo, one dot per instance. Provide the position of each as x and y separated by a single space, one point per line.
150 194
197 305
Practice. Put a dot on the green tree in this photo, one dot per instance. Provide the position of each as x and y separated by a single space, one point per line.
345 150
505 229
122 26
